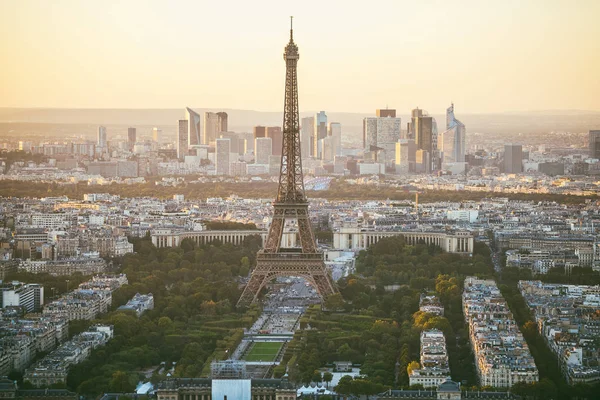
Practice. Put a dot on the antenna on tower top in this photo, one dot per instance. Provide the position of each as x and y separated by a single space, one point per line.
291 27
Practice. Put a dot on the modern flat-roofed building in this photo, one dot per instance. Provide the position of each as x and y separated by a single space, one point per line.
276 135
211 127
513 158
382 133
307 128
263 148
27 295
594 144
102 142
182 139
222 153
131 138
319 132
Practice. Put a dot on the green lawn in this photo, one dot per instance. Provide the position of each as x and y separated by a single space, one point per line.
263 351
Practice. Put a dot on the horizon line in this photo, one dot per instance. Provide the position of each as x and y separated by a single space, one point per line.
277 111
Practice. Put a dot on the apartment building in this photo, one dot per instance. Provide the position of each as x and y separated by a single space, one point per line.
434 369
502 357
54 368
567 319
16 294
139 303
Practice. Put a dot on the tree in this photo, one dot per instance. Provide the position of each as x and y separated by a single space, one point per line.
317 377
208 307
412 366
529 329
121 383
334 302
361 301
546 389
327 378
188 244
245 266
344 386
165 322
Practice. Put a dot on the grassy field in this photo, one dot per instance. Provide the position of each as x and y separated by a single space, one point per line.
263 351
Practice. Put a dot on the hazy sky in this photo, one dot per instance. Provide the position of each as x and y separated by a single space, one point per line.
486 56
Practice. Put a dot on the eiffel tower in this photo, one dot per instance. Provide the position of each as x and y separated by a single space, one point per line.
291 204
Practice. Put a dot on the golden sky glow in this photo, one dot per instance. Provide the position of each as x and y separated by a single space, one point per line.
486 56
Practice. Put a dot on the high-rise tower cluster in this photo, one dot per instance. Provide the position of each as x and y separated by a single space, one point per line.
420 149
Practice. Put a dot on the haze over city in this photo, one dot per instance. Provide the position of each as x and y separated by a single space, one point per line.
488 57
299 200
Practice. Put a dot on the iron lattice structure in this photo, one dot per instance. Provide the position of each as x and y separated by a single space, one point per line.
228 369
291 204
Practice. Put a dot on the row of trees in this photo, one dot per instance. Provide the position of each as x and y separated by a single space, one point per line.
229 226
339 190
576 275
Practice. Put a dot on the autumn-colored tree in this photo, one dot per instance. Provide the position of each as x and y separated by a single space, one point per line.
412 366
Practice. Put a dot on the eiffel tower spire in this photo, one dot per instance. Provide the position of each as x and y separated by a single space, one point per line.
291 181
290 205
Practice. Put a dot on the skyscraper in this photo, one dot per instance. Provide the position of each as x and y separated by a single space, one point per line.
259 131
382 113
211 127
451 143
446 146
594 144
410 131
156 134
193 129
513 158
406 151
320 132
102 136
335 131
369 132
423 129
263 149
382 133
306 136
422 161
222 151
223 121
276 135
182 139
327 149
131 138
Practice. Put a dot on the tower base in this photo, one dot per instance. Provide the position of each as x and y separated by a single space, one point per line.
309 266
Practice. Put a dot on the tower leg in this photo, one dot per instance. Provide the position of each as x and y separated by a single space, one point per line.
305 232
324 285
275 233
250 294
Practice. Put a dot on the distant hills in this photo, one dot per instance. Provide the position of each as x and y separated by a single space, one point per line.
244 120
